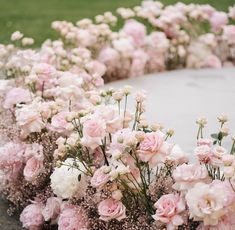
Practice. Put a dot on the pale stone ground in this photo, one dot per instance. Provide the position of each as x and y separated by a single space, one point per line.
176 99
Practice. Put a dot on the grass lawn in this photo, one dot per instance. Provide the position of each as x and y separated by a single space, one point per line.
33 17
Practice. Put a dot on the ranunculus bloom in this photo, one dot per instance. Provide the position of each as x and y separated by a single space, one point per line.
73 218
152 147
136 30
111 209
209 202
100 177
33 168
186 176
93 132
32 217
168 209
52 209
15 96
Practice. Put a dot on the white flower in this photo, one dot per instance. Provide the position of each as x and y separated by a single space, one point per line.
68 181
17 35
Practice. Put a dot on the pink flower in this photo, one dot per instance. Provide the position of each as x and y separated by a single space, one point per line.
139 61
111 117
33 168
232 12
111 209
100 177
34 150
203 153
46 75
218 20
52 209
186 176
11 159
136 30
168 208
217 154
204 141
151 147
212 61
72 218
15 96
59 123
32 217
29 120
93 132
209 202
229 34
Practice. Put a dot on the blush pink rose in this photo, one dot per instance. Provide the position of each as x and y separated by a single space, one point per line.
15 96
168 209
229 34
136 30
93 132
151 146
52 209
59 123
218 20
187 175
32 168
212 61
100 177
203 153
204 141
72 218
111 209
32 217
11 159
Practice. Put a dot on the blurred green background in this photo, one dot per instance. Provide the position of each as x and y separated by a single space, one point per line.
34 17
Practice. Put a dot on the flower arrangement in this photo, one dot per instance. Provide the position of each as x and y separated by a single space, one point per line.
73 156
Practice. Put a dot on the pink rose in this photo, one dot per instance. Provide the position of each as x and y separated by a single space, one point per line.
151 146
203 153
11 159
46 75
52 209
15 96
32 168
111 117
204 141
168 208
29 120
59 123
93 132
32 217
218 20
100 177
111 209
72 218
229 34
212 61
136 30
209 202
186 176
217 154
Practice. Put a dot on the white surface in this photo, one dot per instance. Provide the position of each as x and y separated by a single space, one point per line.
178 98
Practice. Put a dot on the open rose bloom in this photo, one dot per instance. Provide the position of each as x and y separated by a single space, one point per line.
74 156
